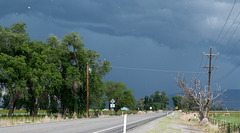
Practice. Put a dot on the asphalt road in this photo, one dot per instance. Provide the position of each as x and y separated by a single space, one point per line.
95 125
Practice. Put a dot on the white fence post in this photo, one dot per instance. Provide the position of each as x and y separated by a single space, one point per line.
125 123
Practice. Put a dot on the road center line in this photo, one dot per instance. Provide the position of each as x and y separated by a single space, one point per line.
107 129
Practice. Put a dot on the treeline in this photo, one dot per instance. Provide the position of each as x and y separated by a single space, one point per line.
49 75
157 101
186 103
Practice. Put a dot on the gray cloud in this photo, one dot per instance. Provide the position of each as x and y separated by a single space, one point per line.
153 34
170 23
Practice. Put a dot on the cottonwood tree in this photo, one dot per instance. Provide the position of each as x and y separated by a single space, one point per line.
140 104
118 91
13 66
52 72
177 101
199 95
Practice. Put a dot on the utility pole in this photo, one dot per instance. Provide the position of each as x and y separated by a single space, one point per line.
195 87
87 94
209 68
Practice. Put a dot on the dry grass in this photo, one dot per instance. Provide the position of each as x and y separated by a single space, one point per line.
9 121
210 128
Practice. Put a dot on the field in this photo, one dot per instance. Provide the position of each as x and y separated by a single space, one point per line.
226 120
4 113
232 117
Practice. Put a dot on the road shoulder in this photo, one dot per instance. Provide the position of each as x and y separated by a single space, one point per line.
168 124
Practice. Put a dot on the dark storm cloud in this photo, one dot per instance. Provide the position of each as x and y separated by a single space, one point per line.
172 23
154 34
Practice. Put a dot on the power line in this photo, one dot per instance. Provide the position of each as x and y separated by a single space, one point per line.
199 69
154 70
225 23
231 25
229 73
214 43
231 35
222 51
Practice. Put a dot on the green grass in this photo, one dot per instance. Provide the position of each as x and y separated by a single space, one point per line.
234 116
165 125
233 119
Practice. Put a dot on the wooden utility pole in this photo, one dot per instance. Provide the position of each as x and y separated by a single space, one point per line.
195 87
209 68
87 94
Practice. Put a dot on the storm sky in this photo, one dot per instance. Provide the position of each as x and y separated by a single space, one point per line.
146 41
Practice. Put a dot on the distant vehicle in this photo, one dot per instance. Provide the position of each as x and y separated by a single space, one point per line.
124 109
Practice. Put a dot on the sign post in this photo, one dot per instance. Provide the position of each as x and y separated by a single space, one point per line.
112 105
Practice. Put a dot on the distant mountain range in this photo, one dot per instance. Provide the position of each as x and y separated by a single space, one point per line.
231 99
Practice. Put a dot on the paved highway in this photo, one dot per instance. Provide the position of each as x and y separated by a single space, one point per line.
96 125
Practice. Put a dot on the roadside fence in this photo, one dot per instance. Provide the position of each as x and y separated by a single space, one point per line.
225 126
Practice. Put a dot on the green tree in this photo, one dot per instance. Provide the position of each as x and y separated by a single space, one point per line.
12 62
140 104
164 100
147 103
118 91
128 99
156 98
43 76
13 71
39 74
177 101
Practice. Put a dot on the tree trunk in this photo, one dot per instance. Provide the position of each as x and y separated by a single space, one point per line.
13 99
201 108
11 108
116 111
64 113
201 115
36 107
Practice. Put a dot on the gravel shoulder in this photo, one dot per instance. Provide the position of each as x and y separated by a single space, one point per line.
168 124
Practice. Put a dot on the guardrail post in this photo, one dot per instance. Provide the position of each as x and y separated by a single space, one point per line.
125 123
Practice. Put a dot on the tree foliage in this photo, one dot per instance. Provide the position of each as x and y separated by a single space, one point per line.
158 100
118 91
177 101
39 74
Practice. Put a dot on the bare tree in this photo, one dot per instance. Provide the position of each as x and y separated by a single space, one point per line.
217 105
199 95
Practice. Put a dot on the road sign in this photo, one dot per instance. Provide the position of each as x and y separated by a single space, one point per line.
176 107
112 105
112 101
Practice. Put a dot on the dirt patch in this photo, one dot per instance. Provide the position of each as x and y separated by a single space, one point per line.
190 116
140 112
